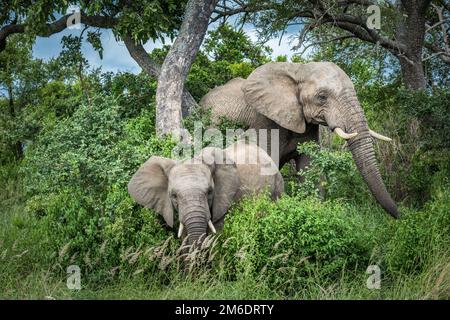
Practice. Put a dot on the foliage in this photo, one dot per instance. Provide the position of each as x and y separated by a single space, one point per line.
93 149
290 240
417 162
76 174
419 235
143 20
330 174
227 44
77 151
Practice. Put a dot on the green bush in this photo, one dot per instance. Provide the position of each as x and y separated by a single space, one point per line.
289 241
76 175
428 171
331 174
93 149
76 178
418 121
77 152
420 235
104 240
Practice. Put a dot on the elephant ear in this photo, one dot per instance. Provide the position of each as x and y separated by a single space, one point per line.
149 184
226 180
273 90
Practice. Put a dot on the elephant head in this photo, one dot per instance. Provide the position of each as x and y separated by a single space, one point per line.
293 95
200 190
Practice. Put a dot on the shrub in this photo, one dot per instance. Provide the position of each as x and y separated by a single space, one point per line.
76 176
288 241
419 236
92 150
331 174
427 172
77 152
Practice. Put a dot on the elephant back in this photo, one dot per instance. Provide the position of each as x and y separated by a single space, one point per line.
228 101
256 169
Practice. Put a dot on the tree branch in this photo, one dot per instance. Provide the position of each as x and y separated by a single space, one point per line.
444 4
358 27
138 53
326 41
437 24
227 12
358 2
241 8
56 26
443 55
442 21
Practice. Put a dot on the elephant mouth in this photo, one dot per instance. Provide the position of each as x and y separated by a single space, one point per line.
211 229
344 134
318 121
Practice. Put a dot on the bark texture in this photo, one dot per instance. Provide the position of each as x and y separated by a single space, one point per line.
177 64
411 33
138 53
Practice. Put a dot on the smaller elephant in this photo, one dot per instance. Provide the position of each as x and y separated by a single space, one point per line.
202 189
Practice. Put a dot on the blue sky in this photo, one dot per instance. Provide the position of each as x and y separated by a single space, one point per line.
115 55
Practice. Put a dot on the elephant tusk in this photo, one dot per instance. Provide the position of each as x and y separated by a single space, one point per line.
379 136
180 231
344 135
211 226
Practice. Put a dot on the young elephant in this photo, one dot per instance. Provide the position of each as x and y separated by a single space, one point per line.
202 189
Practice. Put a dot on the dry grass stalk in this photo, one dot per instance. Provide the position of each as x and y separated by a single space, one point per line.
63 251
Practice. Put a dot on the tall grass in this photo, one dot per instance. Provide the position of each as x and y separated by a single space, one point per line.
227 266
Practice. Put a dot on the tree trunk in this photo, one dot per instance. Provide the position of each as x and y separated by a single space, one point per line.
153 69
177 64
411 33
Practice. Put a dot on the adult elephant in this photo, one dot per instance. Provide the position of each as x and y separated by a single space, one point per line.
295 98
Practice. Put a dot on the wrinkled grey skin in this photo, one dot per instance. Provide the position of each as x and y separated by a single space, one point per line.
296 98
203 188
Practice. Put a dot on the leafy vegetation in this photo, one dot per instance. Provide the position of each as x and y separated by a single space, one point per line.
64 200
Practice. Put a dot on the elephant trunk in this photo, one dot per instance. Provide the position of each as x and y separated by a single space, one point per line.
195 214
195 227
361 147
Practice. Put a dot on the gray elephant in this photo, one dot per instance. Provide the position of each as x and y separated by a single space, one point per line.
203 188
295 98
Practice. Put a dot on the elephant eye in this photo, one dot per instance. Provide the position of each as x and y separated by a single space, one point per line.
322 98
